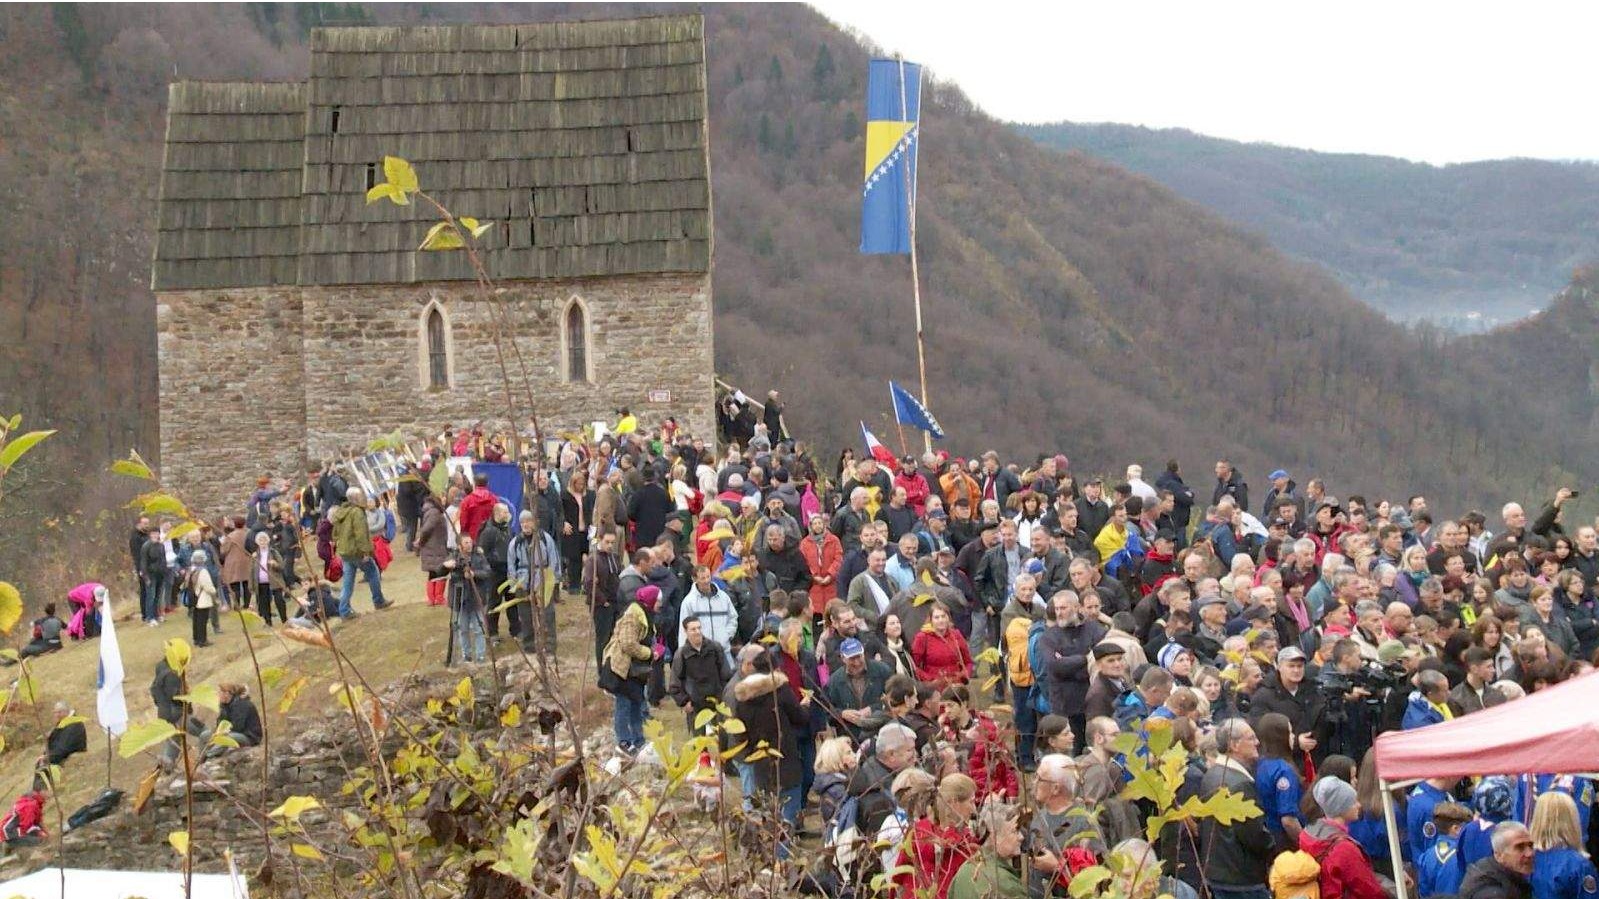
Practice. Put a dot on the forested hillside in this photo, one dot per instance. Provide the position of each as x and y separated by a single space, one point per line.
1416 241
1070 304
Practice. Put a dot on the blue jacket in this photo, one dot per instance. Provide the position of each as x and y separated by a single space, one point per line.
1419 829
1474 843
1436 871
1277 782
1420 713
1563 874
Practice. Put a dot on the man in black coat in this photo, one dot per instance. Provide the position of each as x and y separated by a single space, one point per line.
494 539
1230 483
997 482
1182 498
1065 648
648 509
872 783
701 670
1288 692
1093 513
408 504
1238 856
1503 875
784 560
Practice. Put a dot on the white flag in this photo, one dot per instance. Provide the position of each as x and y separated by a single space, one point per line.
112 706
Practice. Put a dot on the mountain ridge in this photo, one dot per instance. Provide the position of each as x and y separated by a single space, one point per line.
1498 237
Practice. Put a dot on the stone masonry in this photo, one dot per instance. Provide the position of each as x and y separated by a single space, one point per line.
260 380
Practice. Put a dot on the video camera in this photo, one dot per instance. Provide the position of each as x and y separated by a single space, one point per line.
1378 681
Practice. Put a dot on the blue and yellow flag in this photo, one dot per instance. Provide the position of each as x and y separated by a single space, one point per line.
888 196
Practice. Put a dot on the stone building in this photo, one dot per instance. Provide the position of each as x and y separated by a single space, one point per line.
297 322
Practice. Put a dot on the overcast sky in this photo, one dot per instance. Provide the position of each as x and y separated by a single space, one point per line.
1438 82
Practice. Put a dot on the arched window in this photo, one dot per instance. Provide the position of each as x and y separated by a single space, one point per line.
435 348
577 342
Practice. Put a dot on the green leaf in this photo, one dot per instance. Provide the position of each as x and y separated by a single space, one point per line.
16 447
252 620
732 726
156 504
148 735
182 529
474 227
272 675
180 841
304 850
10 606
393 193
399 173
1087 881
133 468
442 237
9 655
705 716
512 716
70 719
293 807
178 654
205 696
291 693
15 422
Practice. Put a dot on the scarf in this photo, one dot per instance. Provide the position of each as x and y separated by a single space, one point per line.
1301 613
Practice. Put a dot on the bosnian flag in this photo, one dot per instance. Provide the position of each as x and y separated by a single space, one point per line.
874 446
110 703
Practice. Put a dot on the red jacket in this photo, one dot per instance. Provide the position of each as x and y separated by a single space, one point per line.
824 562
936 853
477 508
941 660
916 491
989 764
1346 873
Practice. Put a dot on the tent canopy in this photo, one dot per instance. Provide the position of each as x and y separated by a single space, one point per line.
1553 731
80 882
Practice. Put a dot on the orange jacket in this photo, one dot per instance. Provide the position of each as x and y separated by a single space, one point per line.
824 561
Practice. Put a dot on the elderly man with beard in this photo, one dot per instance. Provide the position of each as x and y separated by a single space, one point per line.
1065 649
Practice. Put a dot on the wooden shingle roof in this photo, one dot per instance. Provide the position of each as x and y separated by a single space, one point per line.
230 186
584 142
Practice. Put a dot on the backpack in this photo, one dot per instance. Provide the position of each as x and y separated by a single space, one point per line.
1036 661
696 501
1019 664
1295 875
842 836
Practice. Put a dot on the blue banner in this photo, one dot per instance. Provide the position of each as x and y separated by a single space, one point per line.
908 410
893 108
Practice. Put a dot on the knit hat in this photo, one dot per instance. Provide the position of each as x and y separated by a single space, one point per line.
1334 796
1169 653
648 595
1494 798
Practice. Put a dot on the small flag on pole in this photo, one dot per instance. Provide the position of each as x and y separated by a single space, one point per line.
888 196
908 410
874 446
109 701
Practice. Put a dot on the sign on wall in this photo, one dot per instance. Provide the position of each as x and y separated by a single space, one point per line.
660 396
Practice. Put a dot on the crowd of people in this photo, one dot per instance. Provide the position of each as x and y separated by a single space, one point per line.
921 648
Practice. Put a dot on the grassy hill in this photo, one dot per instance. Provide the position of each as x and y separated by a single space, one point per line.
1416 241
1070 304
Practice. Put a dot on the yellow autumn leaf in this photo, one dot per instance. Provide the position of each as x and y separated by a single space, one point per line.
180 841
399 173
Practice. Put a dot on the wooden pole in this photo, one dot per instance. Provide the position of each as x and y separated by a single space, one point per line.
910 199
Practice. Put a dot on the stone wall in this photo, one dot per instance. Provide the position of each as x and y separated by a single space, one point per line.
232 396
260 380
364 364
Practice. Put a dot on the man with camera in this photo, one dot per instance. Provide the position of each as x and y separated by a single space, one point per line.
1353 690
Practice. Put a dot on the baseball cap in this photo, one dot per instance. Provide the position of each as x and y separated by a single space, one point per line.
937 513
1279 473
1290 654
1279 522
851 647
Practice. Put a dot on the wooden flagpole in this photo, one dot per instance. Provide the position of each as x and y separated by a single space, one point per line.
910 191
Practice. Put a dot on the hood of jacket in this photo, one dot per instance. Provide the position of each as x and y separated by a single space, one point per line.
1316 838
757 685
